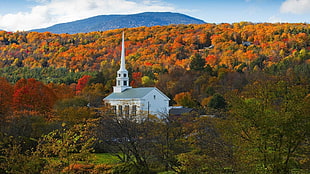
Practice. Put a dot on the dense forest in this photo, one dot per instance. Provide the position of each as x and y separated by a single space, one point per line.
249 85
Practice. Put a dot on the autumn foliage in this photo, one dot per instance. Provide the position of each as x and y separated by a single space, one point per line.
174 58
147 48
248 84
82 82
33 95
6 92
136 79
185 99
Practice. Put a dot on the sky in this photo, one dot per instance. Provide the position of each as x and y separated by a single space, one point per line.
23 15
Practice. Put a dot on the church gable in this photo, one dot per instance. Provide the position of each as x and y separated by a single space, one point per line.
157 103
156 94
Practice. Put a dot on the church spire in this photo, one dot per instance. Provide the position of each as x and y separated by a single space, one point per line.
122 79
123 66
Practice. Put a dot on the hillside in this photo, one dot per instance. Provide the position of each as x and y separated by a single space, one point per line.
272 47
175 58
247 87
110 22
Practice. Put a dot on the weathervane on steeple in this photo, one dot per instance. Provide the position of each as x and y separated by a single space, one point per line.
122 79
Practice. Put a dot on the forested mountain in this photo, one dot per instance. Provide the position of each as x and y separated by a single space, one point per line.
239 47
248 85
226 51
110 22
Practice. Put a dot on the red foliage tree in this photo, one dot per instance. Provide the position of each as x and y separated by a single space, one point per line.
136 79
6 92
82 82
32 95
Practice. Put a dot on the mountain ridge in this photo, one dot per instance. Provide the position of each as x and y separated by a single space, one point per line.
110 22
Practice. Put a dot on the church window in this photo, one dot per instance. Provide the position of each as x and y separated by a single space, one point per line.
125 75
134 110
120 110
118 83
127 110
119 75
114 109
125 83
154 97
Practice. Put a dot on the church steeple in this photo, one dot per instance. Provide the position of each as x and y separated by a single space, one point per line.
122 79
123 65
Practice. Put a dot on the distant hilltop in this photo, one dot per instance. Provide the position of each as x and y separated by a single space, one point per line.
110 22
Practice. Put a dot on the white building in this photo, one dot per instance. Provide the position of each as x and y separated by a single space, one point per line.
126 100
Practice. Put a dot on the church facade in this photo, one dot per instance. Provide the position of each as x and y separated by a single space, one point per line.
126 100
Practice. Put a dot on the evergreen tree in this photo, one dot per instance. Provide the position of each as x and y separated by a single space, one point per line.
197 62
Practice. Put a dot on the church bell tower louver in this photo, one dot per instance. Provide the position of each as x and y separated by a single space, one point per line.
122 79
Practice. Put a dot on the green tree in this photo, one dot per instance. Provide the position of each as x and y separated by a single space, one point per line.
69 146
14 161
171 140
270 127
207 151
217 102
130 138
54 153
197 62
147 81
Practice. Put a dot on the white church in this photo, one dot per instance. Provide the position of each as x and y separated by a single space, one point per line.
126 100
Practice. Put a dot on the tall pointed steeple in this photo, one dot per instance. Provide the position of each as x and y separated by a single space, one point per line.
123 65
122 79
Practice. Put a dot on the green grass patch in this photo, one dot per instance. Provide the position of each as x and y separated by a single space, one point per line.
106 158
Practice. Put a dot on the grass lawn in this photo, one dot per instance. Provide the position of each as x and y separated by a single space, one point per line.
106 158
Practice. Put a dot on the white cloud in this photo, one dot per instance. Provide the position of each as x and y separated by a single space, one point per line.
296 6
275 19
51 12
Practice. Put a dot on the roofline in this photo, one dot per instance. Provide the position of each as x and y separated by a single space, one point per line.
162 94
125 99
154 88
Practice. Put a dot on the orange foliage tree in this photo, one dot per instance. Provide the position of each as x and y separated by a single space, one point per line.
185 99
6 92
32 95
136 79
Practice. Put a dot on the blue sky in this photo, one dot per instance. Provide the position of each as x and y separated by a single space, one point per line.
30 14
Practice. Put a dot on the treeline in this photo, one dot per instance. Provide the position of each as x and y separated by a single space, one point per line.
45 75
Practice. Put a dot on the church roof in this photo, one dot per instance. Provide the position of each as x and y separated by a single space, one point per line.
132 93
180 111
